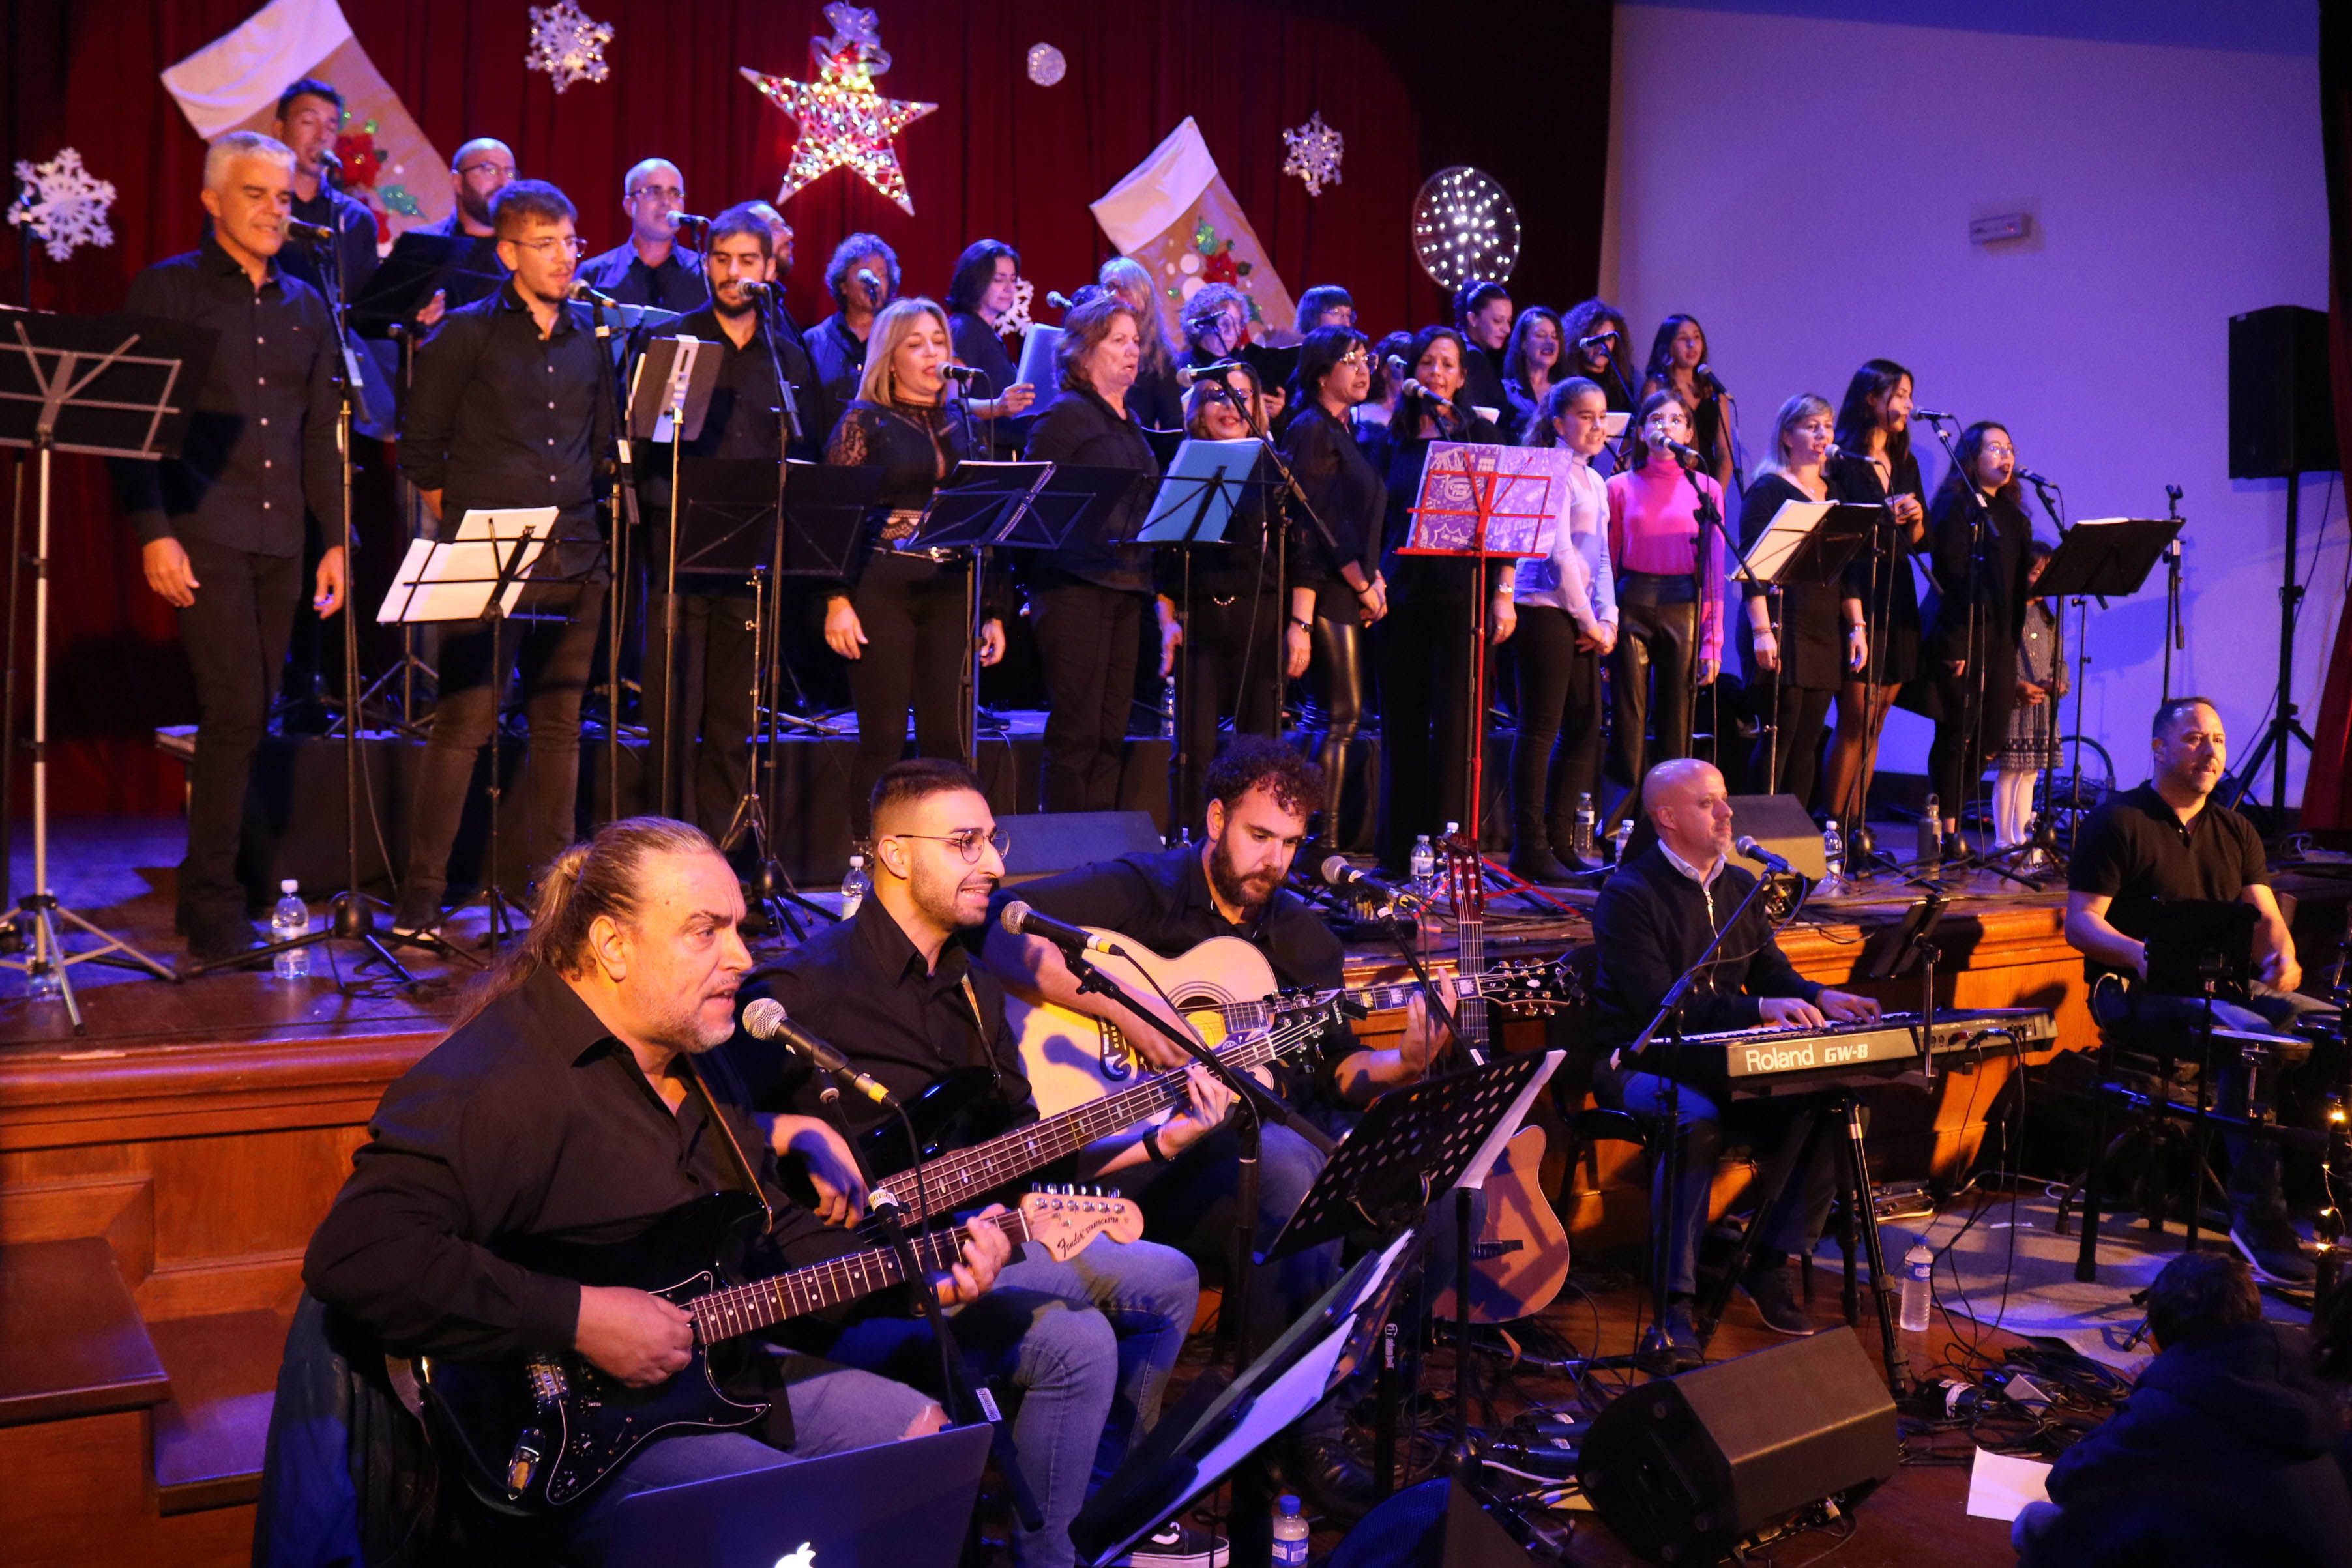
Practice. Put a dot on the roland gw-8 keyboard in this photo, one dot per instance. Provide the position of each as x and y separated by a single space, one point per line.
1753 1062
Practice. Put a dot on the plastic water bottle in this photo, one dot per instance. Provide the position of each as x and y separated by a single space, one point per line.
1424 865
1581 844
1931 835
854 886
1624 839
290 919
1919 1286
1289 1535
1832 857
1167 708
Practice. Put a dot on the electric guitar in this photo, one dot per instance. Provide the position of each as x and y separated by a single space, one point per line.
537 1435
1519 1260
1222 987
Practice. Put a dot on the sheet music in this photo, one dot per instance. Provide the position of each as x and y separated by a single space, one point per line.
1037 360
451 580
1528 501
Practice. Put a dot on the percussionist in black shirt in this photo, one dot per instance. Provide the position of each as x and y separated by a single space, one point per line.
894 989
574 1103
711 692
506 411
1655 918
2169 840
221 525
650 267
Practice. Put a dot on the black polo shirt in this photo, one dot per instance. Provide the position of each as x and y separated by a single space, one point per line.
675 285
261 445
861 986
2133 849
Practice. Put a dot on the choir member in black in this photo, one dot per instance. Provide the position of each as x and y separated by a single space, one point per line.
903 621
1655 916
862 276
310 114
1158 401
1391 370
1336 589
1797 665
1425 646
1875 466
1088 602
1216 325
1529 366
220 525
1482 317
1678 365
650 267
1325 304
980 296
1972 648
482 167
1567 605
1597 361
1232 656
506 411
709 743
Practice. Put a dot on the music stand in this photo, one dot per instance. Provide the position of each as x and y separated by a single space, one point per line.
1195 502
669 400
1914 943
475 575
112 386
974 508
1808 544
418 266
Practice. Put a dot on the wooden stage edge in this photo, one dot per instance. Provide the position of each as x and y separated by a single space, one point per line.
203 1162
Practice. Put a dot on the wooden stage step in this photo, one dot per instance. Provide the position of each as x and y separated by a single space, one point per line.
209 1437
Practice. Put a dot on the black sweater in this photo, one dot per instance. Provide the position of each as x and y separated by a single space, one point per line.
1651 923
1078 428
1349 498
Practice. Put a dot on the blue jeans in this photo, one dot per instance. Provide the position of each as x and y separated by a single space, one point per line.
1794 1225
2254 1162
833 1411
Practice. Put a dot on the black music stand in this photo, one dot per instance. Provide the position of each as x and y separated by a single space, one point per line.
1914 944
1195 502
669 400
420 265
1809 544
112 386
973 509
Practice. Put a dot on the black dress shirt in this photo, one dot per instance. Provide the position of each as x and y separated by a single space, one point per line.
1350 500
1651 923
2133 849
839 356
499 416
1080 429
675 285
529 1124
861 986
354 228
739 422
261 446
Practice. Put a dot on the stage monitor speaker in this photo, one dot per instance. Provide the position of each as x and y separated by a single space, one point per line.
1682 1469
1048 841
1437 1524
2282 410
1780 823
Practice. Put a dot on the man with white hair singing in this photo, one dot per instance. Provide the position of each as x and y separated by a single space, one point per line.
222 526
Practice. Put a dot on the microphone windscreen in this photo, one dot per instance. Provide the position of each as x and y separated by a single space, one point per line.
1334 869
762 1018
1012 915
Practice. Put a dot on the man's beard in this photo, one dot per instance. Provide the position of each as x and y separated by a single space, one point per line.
1240 892
936 902
475 207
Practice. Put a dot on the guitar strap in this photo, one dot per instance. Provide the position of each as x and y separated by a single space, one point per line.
743 1171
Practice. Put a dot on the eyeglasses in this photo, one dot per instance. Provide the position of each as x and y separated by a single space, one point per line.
505 170
1996 449
1358 355
967 843
579 247
666 192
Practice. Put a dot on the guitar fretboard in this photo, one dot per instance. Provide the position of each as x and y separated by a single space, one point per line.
747 1309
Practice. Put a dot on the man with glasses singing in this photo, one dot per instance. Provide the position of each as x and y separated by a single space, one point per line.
505 413
483 167
895 989
651 267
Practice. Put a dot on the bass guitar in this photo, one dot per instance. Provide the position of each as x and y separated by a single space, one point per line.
537 1435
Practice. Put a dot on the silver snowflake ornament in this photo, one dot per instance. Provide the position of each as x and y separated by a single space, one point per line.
1315 152
1024 294
61 203
567 45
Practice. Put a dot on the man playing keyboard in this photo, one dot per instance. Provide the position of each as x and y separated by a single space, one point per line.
1656 914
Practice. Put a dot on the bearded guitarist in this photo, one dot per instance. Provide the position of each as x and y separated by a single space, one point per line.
1260 794
895 989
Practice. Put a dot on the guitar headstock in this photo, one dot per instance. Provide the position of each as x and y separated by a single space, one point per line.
1538 987
1063 1219
1465 882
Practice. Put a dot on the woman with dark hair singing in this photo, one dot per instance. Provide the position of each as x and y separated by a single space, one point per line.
1678 365
902 619
1336 589
1873 467
1086 602
1971 649
980 295
1530 360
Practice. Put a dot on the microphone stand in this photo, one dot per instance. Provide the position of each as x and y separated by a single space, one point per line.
2175 627
624 522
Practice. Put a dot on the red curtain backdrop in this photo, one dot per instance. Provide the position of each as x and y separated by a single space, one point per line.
1413 88
2327 787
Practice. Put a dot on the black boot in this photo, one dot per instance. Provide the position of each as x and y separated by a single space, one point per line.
1532 860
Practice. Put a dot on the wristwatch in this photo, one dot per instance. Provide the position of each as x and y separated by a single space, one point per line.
1151 1149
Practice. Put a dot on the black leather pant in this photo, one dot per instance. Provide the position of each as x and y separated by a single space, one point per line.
1342 680
1657 642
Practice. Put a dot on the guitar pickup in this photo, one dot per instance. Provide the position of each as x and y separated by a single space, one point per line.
523 1463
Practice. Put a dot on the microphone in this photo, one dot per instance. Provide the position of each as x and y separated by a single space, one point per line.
765 1019
1712 381
683 220
1057 299
1748 847
582 290
753 288
318 232
2036 480
1335 872
963 373
329 165
1020 920
1223 370
1597 339
868 282
1686 455
1933 416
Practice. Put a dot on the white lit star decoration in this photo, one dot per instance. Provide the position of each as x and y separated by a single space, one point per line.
567 46
844 122
1465 227
1315 152
62 204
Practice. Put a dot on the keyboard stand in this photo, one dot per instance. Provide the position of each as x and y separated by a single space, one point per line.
1815 1123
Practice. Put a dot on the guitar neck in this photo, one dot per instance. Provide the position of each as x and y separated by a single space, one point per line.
1470 1013
747 1309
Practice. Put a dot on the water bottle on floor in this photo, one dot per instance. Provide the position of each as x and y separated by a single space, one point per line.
855 887
1424 866
290 919
1624 839
1289 1535
1919 1286
1580 844
1832 857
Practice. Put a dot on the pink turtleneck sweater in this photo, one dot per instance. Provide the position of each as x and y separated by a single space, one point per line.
1653 528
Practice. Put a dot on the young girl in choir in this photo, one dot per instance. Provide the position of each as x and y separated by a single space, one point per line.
2032 747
